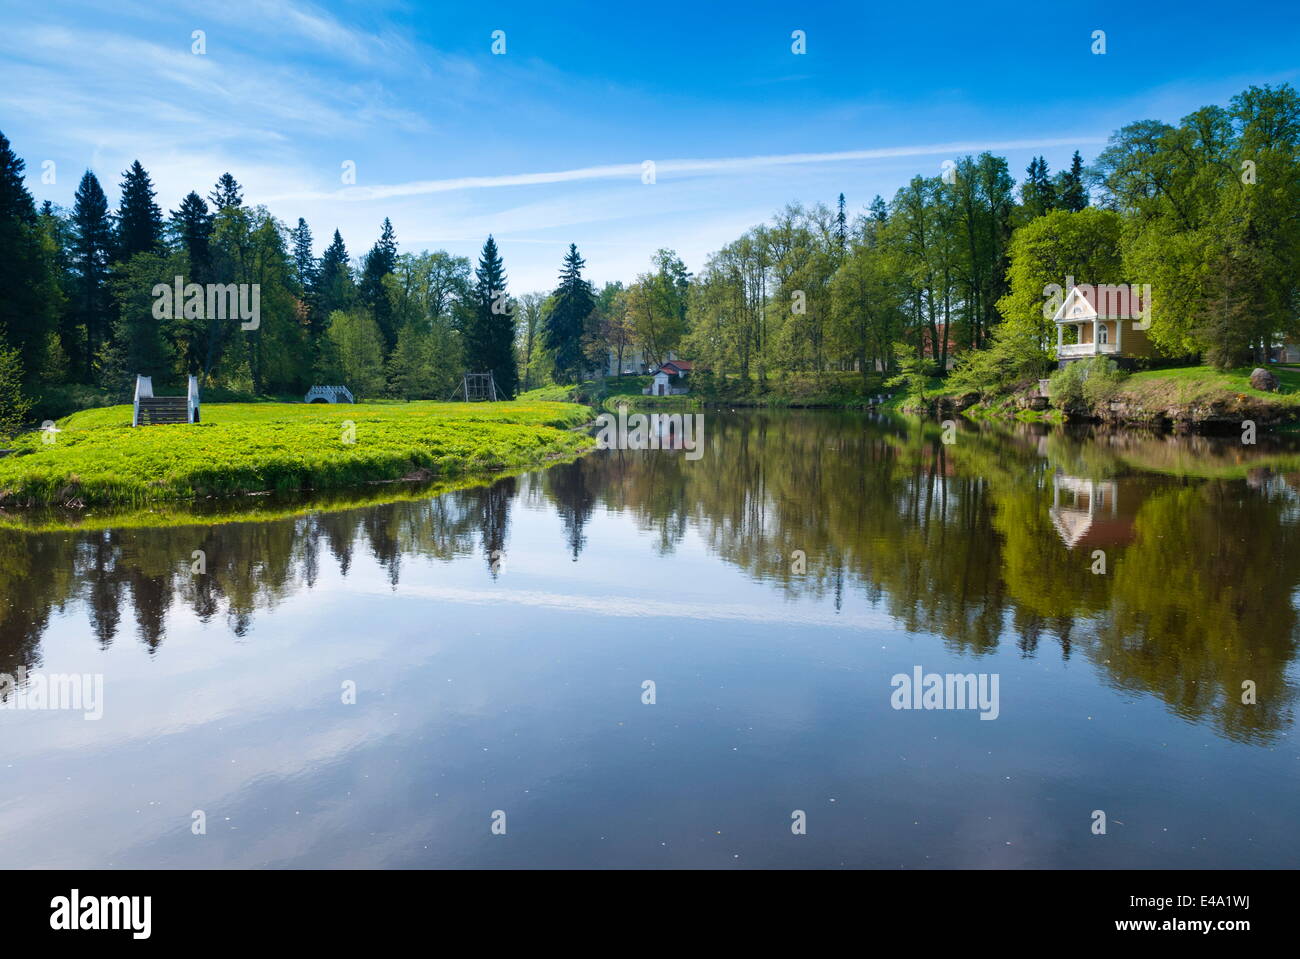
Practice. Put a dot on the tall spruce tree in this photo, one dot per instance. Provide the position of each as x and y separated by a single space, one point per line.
566 323
490 330
304 262
334 288
191 226
1037 193
379 263
29 294
841 228
227 193
139 218
15 201
92 240
1071 193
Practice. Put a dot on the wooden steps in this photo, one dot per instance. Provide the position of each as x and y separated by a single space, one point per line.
162 410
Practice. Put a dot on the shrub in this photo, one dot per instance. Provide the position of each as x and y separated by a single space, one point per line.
1085 382
1101 380
1008 359
1065 386
914 371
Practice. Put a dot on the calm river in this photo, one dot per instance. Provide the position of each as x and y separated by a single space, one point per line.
640 659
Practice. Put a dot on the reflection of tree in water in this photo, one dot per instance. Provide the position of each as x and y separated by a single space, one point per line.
104 587
248 566
493 511
971 542
960 541
574 500
1202 602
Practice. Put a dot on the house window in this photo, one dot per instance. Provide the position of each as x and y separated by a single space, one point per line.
1103 334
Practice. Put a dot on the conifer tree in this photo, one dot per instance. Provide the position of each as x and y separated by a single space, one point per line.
1038 194
573 303
92 238
490 328
139 218
334 287
192 228
379 263
304 262
30 298
227 193
1070 190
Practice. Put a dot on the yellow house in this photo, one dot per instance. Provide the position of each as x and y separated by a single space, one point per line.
1108 320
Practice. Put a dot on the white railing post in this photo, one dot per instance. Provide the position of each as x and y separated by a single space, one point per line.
143 390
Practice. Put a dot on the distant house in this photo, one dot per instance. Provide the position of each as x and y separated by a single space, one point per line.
1107 320
635 362
671 379
931 348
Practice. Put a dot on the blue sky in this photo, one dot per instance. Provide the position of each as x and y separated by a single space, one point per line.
544 145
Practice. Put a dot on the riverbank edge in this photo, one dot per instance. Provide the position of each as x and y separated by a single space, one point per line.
1128 408
260 506
69 498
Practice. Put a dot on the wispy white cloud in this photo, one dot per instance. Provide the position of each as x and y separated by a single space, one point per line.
682 167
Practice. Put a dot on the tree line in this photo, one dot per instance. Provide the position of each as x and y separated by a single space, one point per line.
79 315
954 266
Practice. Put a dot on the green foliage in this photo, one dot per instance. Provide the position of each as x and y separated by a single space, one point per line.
1216 188
914 372
1009 359
360 351
1202 211
139 218
1065 386
1044 254
14 405
657 307
379 264
1089 382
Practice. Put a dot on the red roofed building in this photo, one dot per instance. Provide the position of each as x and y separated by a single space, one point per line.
1106 320
670 379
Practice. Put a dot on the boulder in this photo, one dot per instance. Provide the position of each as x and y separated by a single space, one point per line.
1262 379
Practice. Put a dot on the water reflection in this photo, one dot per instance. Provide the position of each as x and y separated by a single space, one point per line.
993 539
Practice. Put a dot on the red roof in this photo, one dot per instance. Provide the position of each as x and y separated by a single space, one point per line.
1113 302
680 366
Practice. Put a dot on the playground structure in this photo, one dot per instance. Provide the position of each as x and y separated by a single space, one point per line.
150 410
329 394
477 386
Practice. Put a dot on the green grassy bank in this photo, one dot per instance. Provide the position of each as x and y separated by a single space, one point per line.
1199 397
96 458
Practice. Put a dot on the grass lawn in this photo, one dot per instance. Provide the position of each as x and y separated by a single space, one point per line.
97 458
1194 385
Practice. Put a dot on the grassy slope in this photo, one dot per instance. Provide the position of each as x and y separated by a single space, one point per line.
1199 385
1182 389
255 447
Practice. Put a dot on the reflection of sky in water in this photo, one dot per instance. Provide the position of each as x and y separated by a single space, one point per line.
522 692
